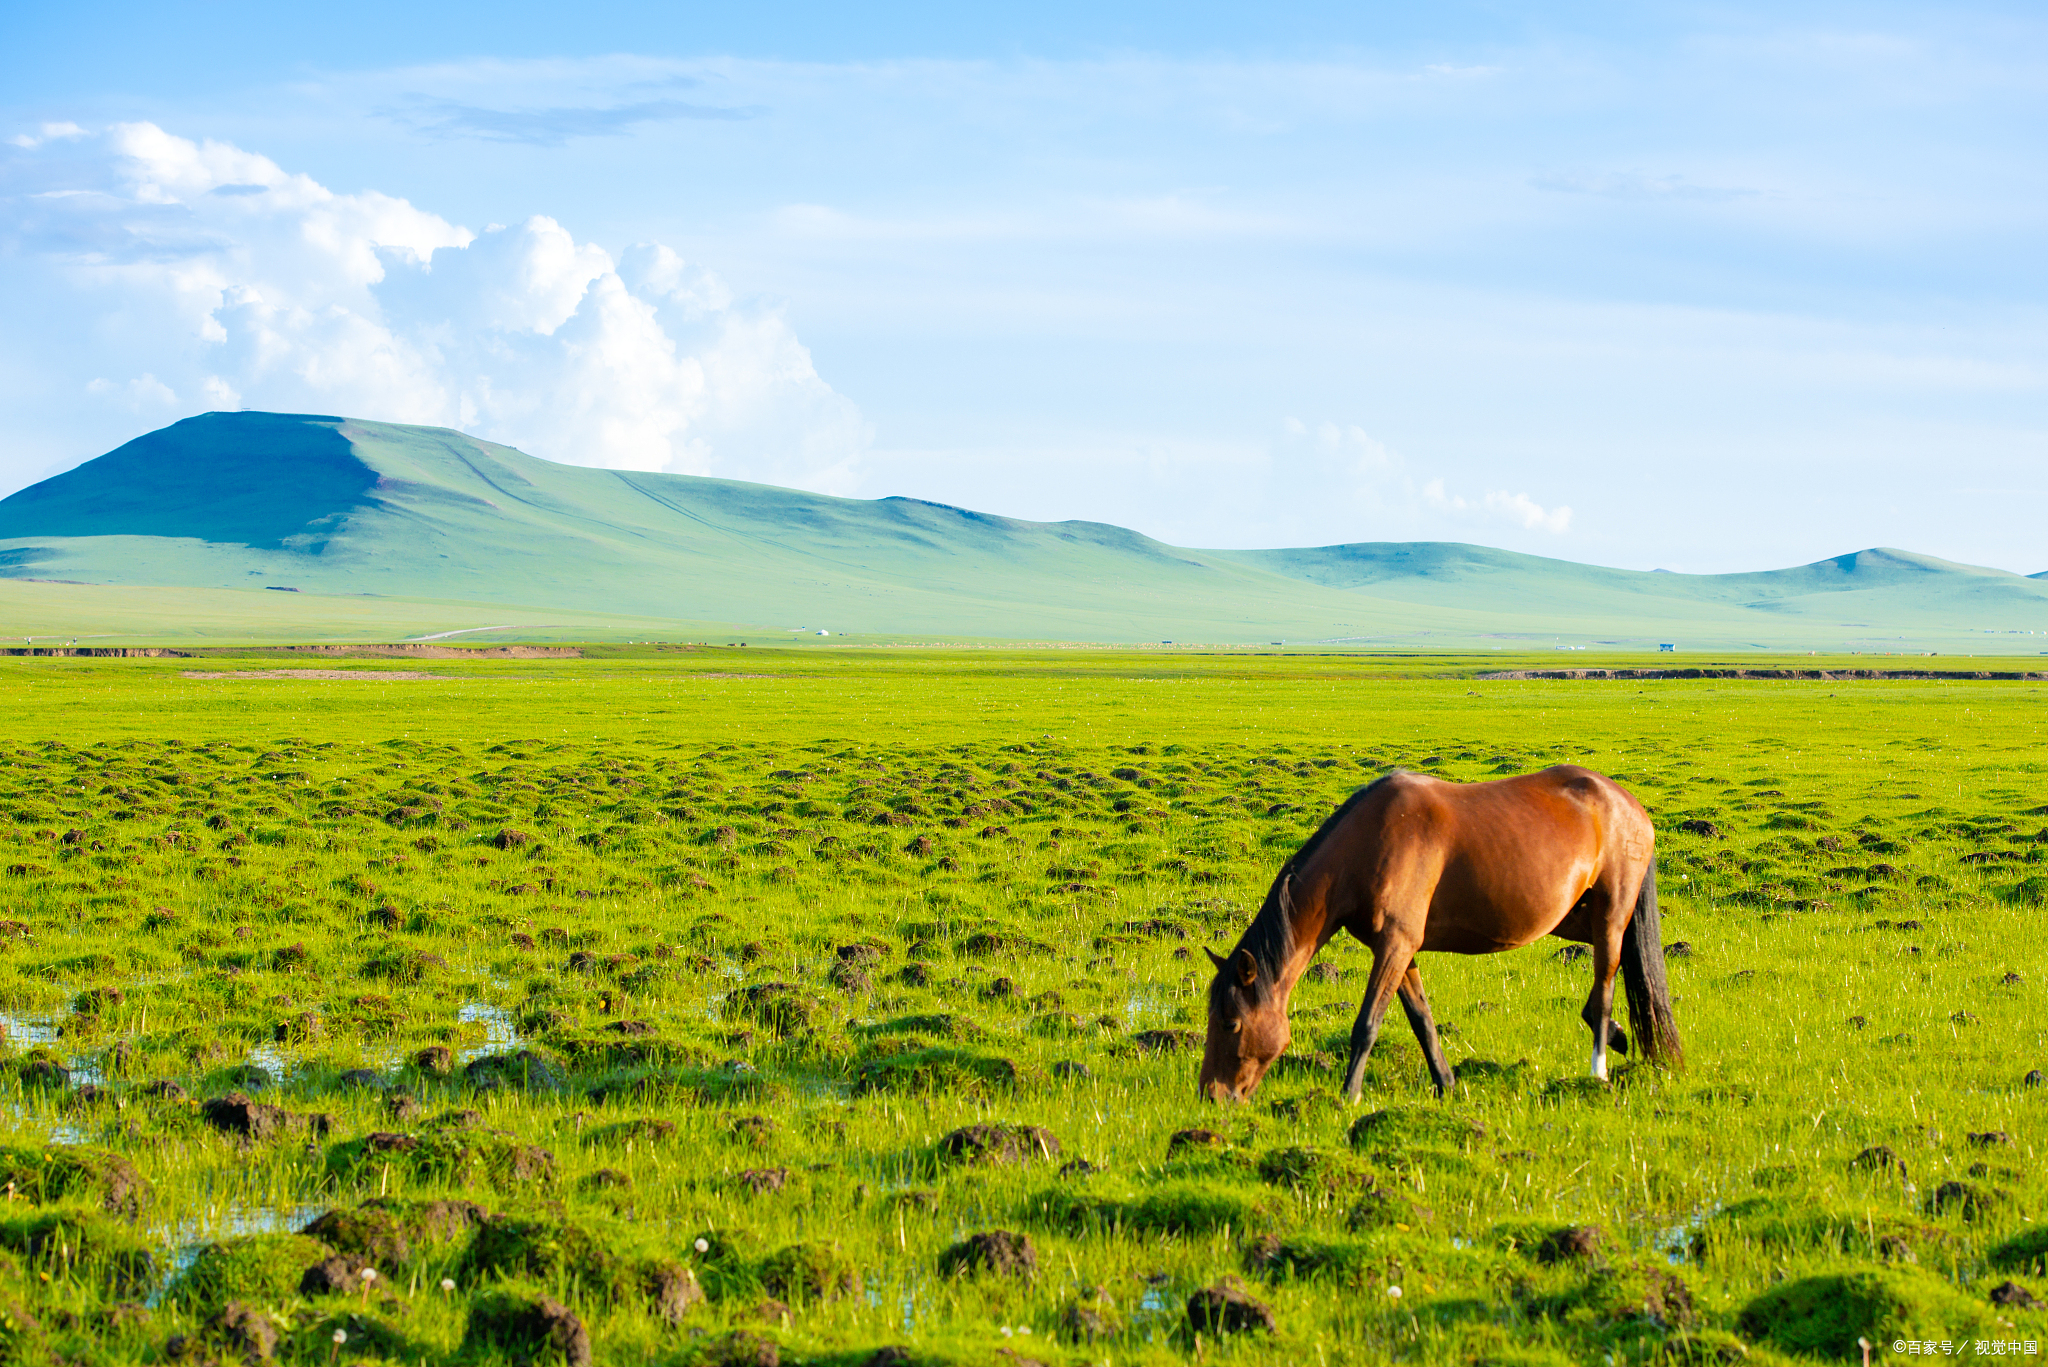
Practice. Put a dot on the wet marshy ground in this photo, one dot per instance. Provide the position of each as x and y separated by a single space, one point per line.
349 1045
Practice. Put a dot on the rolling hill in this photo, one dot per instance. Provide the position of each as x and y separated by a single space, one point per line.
193 529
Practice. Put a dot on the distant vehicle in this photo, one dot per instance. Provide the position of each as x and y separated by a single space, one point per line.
1667 647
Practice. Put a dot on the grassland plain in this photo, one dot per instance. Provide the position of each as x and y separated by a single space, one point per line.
703 1007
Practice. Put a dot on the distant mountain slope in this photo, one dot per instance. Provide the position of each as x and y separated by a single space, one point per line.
1880 589
430 513
340 506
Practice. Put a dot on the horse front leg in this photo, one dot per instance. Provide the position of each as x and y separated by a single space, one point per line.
1389 967
1424 1026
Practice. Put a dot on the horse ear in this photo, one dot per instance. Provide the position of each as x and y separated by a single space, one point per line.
1247 967
1215 958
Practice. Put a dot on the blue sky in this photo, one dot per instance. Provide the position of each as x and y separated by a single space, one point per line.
1704 287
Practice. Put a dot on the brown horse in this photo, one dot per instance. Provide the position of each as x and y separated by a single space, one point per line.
1414 863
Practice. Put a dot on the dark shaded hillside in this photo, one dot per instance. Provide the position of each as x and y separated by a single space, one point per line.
256 479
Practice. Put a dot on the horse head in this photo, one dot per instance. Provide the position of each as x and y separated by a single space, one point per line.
1247 1027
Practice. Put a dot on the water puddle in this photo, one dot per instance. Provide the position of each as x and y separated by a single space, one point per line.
238 1219
270 1059
1139 1007
24 1030
1677 1242
501 1033
913 1301
189 1236
1158 1309
33 1032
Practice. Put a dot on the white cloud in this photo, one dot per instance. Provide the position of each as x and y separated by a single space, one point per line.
143 392
1312 484
1527 513
49 132
549 127
1519 509
222 277
1365 455
1355 470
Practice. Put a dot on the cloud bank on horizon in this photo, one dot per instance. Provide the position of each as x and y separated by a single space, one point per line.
224 281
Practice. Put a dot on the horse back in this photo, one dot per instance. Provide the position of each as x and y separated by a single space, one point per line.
1483 866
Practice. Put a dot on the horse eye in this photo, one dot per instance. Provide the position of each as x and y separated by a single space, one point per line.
1237 1027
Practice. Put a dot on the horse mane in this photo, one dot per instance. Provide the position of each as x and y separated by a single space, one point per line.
1270 937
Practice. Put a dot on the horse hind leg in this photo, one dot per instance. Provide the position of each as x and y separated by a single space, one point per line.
1617 1038
1599 1010
1419 1019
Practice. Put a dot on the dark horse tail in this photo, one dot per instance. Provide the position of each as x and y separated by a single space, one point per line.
1642 973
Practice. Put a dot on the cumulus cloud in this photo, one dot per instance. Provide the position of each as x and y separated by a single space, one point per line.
140 394
1520 509
1357 469
1352 448
48 132
225 281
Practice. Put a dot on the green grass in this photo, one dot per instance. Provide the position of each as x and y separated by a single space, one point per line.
865 901
49 614
385 528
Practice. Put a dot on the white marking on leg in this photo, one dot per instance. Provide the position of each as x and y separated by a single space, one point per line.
1600 1060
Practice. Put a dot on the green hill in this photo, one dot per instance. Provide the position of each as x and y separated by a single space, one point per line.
444 528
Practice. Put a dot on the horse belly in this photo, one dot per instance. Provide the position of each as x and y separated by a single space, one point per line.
1468 918
1447 939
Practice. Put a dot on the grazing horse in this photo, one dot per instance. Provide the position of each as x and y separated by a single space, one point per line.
1414 863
